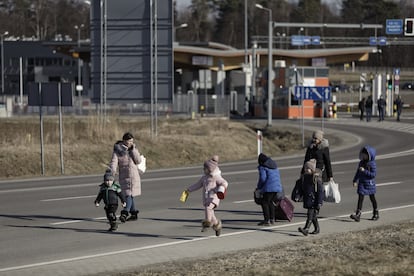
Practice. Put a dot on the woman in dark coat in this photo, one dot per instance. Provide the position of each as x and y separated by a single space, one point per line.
313 194
318 149
365 180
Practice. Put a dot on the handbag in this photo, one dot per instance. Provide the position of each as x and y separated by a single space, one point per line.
297 192
258 196
332 193
142 167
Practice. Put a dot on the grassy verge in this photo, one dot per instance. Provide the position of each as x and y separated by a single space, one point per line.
383 250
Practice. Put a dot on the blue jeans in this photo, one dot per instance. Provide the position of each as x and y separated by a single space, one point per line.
369 114
130 204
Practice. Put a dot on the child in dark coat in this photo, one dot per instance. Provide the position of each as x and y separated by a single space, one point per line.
313 194
365 180
110 191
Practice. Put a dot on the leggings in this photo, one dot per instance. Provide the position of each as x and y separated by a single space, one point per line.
361 201
209 213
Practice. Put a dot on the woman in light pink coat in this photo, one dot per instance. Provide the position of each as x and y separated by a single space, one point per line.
125 158
212 182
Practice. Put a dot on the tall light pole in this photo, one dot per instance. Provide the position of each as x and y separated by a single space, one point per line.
2 61
181 26
269 66
79 87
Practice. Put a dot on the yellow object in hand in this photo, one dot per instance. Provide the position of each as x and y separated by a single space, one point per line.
184 196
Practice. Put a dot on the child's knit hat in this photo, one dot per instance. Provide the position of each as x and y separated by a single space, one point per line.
108 176
311 164
212 163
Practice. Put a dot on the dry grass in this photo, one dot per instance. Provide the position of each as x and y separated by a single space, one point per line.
384 250
87 144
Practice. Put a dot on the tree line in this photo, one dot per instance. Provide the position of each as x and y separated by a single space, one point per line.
220 21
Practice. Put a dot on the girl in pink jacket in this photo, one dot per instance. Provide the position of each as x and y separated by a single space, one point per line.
212 183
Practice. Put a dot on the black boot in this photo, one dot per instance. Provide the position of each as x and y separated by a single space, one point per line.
375 215
114 226
134 215
305 231
124 216
316 225
356 216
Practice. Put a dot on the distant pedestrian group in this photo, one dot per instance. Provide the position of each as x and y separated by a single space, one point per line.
315 172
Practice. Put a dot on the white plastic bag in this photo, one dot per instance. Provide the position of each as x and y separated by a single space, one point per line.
142 167
332 193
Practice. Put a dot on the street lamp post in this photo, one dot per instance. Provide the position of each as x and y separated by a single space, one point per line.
183 25
269 66
2 61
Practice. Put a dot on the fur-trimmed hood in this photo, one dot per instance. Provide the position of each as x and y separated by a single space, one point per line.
120 148
323 144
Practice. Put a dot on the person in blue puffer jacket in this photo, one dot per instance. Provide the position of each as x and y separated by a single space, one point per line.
365 180
270 185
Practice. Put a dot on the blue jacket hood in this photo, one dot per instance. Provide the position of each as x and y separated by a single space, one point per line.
266 161
371 152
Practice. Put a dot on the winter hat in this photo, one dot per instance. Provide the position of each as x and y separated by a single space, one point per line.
212 163
318 135
311 164
108 176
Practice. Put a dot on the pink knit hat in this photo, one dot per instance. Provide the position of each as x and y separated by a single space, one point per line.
212 163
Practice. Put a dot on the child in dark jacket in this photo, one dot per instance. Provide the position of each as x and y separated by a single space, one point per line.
365 180
110 191
313 194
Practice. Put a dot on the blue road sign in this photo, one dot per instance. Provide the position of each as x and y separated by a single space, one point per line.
382 41
316 93
316 40
394 26
297 40
374 41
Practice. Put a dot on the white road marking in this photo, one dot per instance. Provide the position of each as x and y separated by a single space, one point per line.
67 198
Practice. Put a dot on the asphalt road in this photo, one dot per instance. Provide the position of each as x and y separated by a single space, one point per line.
50 226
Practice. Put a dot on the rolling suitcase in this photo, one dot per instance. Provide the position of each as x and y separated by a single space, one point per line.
284 209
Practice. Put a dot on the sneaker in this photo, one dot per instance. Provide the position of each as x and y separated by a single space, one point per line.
264 223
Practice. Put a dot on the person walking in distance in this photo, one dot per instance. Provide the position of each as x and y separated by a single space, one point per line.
313 193
110 191
368 108
399 106
210 183
381 103
125 158
361 107
270 185
364 179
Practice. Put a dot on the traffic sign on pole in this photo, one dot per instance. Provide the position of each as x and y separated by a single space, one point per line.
316 93
394 26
